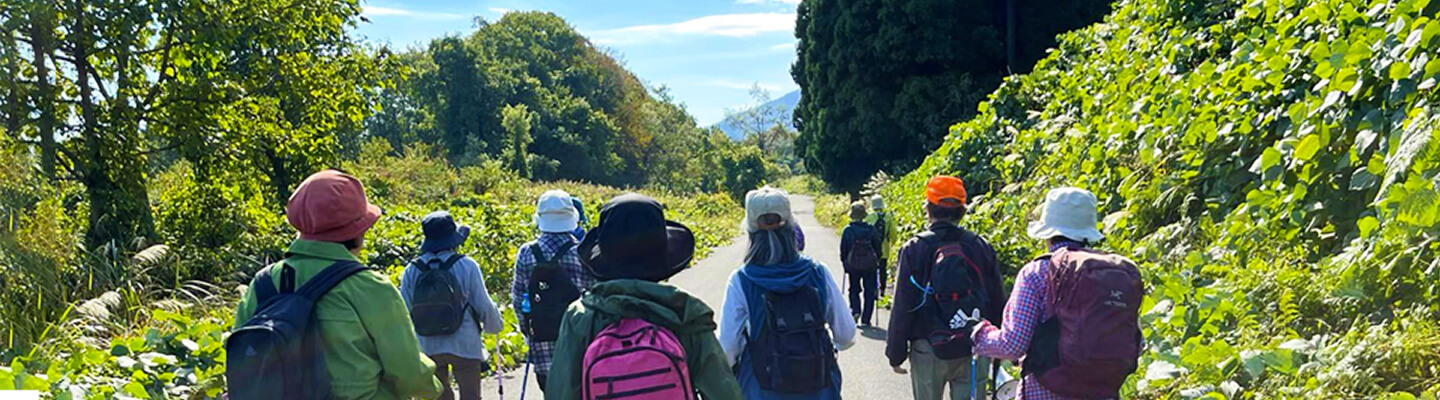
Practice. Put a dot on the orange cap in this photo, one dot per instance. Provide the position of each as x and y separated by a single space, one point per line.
946 191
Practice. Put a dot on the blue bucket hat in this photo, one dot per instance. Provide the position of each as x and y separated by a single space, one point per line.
441 232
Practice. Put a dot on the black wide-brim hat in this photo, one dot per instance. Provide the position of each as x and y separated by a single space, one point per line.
634 241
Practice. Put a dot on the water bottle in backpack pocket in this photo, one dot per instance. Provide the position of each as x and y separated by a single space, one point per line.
954 295
548 293
438 304
277 354
633 359
1093 341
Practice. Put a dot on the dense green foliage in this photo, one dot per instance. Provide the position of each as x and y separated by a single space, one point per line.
882 79
1272 165
140 324
101 88
590 119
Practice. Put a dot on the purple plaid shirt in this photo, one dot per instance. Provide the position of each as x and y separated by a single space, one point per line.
548 243
1028 306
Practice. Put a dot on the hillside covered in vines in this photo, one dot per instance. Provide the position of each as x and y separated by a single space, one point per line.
1272 164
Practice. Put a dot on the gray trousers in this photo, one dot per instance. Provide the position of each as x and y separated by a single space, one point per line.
929 375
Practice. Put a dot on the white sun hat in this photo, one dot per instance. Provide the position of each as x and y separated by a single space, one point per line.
766 200
555 212
1068 212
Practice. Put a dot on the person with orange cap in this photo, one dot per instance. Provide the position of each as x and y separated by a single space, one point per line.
366 343
947 280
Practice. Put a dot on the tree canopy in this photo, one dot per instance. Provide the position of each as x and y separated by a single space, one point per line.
881 80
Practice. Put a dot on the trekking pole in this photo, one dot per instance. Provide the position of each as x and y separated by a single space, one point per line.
972 376
525 380
499 377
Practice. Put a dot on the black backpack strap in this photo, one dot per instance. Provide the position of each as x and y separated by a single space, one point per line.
540 254
332 275
450 262
264 287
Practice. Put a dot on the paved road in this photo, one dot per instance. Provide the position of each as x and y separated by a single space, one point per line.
866 373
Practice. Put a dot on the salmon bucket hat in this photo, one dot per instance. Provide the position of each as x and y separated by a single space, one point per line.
1068 212
330 206
945 191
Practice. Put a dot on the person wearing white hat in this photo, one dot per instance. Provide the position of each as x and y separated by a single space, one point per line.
778 284
540 313
1104 288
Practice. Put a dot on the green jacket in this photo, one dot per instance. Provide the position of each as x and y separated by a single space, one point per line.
661 304
370 345
886 230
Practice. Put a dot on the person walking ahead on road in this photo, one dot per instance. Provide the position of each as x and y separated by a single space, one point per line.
879 218
548 277
625 337
449 305
948 278
780 310
367 343
860 252
1101 299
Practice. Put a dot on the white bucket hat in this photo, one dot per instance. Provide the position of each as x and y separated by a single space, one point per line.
766 200
1068 212
877 202
555 212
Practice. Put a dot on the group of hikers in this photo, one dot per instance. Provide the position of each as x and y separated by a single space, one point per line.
601 322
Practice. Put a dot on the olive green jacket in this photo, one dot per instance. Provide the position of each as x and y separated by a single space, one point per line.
370 346
667 306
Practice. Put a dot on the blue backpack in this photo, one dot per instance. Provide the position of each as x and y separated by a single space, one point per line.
277 354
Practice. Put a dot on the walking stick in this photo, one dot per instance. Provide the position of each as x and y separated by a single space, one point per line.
525 380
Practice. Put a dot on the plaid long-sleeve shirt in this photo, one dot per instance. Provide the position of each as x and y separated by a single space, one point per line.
548 244
1028 306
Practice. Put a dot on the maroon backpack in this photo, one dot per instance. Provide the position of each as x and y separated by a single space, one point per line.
1093 341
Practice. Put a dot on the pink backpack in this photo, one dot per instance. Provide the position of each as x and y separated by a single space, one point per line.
634 359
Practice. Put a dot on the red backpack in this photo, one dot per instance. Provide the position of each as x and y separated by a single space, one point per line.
1093 342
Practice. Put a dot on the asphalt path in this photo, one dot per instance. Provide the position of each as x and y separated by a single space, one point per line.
866 374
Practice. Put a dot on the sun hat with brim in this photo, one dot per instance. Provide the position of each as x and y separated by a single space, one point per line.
330 206
555 212
765 201
634 241
857 211
877 202
442 233
1068 212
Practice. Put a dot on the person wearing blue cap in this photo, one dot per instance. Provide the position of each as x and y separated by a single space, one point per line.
449 305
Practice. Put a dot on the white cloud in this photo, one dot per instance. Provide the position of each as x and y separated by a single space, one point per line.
374 11
727 25
499 11
783 46
790 2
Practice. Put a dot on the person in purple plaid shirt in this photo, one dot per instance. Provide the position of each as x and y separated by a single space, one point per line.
1068 220
557 218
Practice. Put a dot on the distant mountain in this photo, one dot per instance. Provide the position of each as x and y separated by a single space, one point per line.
785 104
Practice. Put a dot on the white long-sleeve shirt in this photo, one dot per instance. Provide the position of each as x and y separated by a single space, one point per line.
735 317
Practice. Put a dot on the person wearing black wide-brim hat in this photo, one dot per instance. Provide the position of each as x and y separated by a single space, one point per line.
631 251
460 353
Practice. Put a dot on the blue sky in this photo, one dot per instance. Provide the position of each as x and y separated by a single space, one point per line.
708 52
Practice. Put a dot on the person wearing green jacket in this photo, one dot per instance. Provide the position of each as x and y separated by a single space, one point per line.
369 343
881 219
640 249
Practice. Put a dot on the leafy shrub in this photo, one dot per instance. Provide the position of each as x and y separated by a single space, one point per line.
1271 164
